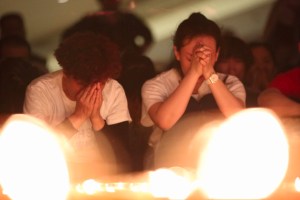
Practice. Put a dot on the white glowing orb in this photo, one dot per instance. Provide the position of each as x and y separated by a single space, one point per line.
297 184
165 183
32 163
246 158
91 186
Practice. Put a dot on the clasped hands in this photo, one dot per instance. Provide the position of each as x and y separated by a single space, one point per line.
203 60
88 104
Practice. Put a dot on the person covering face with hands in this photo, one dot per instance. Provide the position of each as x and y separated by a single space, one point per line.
83 100
167 96
89 100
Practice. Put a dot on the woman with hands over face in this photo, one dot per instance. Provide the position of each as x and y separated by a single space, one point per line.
83 100
168 96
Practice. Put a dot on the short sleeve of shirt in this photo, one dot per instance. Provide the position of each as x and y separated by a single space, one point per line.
35 104
39 100
114 108
157 90
235 86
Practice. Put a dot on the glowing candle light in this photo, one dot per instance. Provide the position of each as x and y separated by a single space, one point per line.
246 158
174 183
165 183
297 184
32 162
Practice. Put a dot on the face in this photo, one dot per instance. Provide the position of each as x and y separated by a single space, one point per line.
263 60
71 87
232 66
184 54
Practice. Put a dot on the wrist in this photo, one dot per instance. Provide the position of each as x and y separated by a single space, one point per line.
207 75
212 78
75 121
97 123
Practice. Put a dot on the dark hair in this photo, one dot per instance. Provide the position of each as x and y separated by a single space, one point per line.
15 75
197 24
234 47
17 28
89 57
11 15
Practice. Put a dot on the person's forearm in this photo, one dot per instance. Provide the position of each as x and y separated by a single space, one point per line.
279 103
227 102
167 113
76 120
66 128
97 123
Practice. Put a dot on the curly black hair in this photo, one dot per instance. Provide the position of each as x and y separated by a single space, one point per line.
89 57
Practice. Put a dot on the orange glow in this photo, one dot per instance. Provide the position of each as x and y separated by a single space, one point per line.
246 158
32 162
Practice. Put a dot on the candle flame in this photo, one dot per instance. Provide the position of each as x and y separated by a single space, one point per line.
166 183
173 183
246 158
297 184
32 162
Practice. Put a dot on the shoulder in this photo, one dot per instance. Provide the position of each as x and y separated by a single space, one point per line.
112 86
47 78
233 83
170 75
229 79
47 81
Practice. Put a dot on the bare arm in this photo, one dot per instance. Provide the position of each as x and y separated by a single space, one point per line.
227 102
166 114
282 105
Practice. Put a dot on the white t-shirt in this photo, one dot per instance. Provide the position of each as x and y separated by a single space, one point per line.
46 100
163 85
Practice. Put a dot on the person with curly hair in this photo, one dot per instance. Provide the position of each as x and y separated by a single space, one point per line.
83 100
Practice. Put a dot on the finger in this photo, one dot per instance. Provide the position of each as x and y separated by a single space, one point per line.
85 92
91 91
101 86
99 97
97 101
203 54
201 47
97 91
93 97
